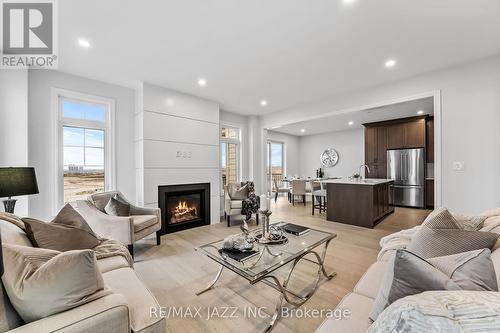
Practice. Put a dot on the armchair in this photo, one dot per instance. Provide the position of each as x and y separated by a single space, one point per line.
233 206
126 229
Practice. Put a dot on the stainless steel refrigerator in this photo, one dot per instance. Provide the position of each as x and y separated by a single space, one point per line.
406 168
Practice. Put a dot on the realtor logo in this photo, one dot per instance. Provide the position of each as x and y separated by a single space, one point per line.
28 34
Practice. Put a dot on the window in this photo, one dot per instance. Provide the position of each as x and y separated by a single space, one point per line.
229 154
85 145
275 163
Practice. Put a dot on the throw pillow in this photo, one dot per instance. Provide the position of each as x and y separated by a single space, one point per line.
469 222
442 311
68 231
440 235
407 274
68 216
237 192
117 207
41 282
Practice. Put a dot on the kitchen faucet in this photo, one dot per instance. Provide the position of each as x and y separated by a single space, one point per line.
361 167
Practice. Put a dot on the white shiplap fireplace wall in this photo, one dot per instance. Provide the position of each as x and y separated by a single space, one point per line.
177 142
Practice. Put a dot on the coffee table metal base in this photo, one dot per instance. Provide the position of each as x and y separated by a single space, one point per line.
285 294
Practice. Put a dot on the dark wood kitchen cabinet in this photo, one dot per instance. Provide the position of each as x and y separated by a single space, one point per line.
410 134
429 151
375 151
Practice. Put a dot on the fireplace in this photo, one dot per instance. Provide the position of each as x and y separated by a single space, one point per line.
184 206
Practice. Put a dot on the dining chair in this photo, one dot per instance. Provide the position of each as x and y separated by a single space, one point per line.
319 192
280 189
298 189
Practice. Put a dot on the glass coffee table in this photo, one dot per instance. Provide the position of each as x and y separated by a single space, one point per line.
262 267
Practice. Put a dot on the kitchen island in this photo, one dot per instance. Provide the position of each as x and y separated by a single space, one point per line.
360 202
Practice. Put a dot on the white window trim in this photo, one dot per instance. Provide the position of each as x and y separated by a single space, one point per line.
283 160
239 147
110 141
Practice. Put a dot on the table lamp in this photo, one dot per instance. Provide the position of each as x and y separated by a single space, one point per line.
14 182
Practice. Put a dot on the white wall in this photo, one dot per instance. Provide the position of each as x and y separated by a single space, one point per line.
14 125
470 127
177 142
292 151
349 145
42 127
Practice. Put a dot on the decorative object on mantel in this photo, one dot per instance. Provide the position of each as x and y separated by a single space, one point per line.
329 158
14 182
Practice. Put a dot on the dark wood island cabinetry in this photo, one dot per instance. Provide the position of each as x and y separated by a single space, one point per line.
359 202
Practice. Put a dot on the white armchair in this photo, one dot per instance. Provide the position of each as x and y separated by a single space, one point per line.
126 229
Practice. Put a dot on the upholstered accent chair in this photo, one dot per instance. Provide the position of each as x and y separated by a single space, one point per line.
277 189
233 205
126 229
298 190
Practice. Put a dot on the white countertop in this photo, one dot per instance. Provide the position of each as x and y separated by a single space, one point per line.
364 181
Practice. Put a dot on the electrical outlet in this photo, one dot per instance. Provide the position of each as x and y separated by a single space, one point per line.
458 166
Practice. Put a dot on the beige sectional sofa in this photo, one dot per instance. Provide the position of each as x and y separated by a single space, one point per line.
126 309
360 301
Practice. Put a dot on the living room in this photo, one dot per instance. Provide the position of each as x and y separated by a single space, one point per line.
218 166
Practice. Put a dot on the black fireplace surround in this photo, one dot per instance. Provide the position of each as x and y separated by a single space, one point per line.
184 206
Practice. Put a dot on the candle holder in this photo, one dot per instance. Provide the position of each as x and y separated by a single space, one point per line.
269 234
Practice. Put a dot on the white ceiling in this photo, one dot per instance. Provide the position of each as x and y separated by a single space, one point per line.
288 52
340 122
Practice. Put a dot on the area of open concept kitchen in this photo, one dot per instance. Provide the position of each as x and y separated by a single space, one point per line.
355 167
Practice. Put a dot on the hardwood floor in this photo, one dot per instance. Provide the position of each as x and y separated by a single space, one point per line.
174 271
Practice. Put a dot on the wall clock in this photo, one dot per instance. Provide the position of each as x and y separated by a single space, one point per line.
329 158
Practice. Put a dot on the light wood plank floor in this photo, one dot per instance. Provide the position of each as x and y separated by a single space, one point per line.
174 271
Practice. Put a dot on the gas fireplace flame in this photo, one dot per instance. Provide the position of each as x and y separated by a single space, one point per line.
183 207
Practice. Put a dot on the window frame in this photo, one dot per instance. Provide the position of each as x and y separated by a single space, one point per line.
59 121
237 142
269 161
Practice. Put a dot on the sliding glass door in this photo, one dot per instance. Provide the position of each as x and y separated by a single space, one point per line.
275 164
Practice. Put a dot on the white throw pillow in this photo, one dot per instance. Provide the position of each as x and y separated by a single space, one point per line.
43 282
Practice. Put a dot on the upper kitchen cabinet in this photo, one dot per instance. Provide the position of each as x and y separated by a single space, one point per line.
430 140
410 134
375 151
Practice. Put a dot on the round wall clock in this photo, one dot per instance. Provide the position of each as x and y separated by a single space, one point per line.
329 157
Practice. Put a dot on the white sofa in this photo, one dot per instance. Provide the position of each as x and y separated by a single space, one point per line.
126 309
360 301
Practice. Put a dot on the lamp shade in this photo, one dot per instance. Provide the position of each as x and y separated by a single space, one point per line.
17 181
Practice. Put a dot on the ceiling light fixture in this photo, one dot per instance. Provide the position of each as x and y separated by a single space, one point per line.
348 2
84 43
263 102
302 130
202 82
420 112
351 123
390 63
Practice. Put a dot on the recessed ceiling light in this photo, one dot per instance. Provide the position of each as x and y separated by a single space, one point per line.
263 102
302 130
84 43
420 112
202 82
351 123
390 63
348 2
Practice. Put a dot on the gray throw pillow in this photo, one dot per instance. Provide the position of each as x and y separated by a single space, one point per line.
237 192
68 231
407 274
117 207
41 282
441 235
